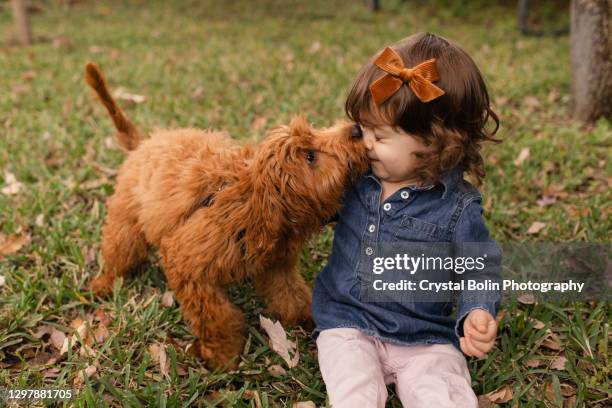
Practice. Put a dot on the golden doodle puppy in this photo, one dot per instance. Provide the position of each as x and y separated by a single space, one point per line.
220 212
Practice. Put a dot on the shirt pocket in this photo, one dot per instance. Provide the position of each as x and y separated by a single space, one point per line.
417 230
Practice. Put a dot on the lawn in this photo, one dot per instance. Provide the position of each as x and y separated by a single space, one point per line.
244 67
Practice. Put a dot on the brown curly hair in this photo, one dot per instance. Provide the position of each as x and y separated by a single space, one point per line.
453 125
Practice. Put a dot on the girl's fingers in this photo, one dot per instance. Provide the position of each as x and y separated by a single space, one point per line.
476 335
482 346
464 347
473 350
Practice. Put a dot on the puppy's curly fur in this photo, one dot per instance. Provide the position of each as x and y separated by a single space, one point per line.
220 213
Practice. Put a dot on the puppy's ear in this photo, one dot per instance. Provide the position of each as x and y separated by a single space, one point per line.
299 126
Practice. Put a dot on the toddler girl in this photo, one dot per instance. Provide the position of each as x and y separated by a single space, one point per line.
422 107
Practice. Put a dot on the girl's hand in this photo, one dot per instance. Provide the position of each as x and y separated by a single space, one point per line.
480 330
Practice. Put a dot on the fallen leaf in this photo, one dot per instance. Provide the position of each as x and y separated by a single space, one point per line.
533 363
57 338
12 243
158 353
276 370
526 299
567 390
559 363
279 341
101 317
44 358
40 220
501 395
167 298
52 372
536 227
80 327
88 372
523 155
483 402
546 200
552 342
12 185
2 280
537 324
101 334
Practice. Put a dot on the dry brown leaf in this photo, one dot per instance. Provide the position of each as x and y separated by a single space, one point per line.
101 334
158 353
567 390
537 324
52 372
12 243
2 280
88 372
80 327
546 200
501 395
559 363
276 370
40 220
44 358
536 227
57 338
167 299
552 342
533 363
483 402
523 155
304 404
101 317
526 299
279 341
12 185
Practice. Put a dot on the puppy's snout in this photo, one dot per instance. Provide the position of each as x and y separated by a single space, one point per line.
356 132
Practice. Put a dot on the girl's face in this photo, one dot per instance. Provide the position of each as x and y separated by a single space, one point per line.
391 153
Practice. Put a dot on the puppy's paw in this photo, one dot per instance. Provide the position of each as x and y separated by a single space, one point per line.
224 356
101 287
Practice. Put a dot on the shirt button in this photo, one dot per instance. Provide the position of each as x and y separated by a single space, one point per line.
372 228
405 194
387 206
369 251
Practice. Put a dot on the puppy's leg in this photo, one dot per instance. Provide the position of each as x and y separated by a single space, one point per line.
287 294
189 261
123 248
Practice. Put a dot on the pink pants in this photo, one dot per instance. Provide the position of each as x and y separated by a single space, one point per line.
356 368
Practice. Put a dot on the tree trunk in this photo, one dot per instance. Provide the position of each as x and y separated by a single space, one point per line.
591 61
22 22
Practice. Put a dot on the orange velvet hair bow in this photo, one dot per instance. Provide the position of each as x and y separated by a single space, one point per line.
419 78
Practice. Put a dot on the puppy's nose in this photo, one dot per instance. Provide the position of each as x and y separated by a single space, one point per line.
356 132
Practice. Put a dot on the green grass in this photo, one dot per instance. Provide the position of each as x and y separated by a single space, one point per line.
224 66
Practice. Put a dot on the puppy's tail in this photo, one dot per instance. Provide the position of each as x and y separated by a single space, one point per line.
127 134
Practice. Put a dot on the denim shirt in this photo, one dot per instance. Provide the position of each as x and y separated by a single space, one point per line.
449 211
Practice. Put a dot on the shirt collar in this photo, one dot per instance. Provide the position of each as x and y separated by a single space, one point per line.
449 180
